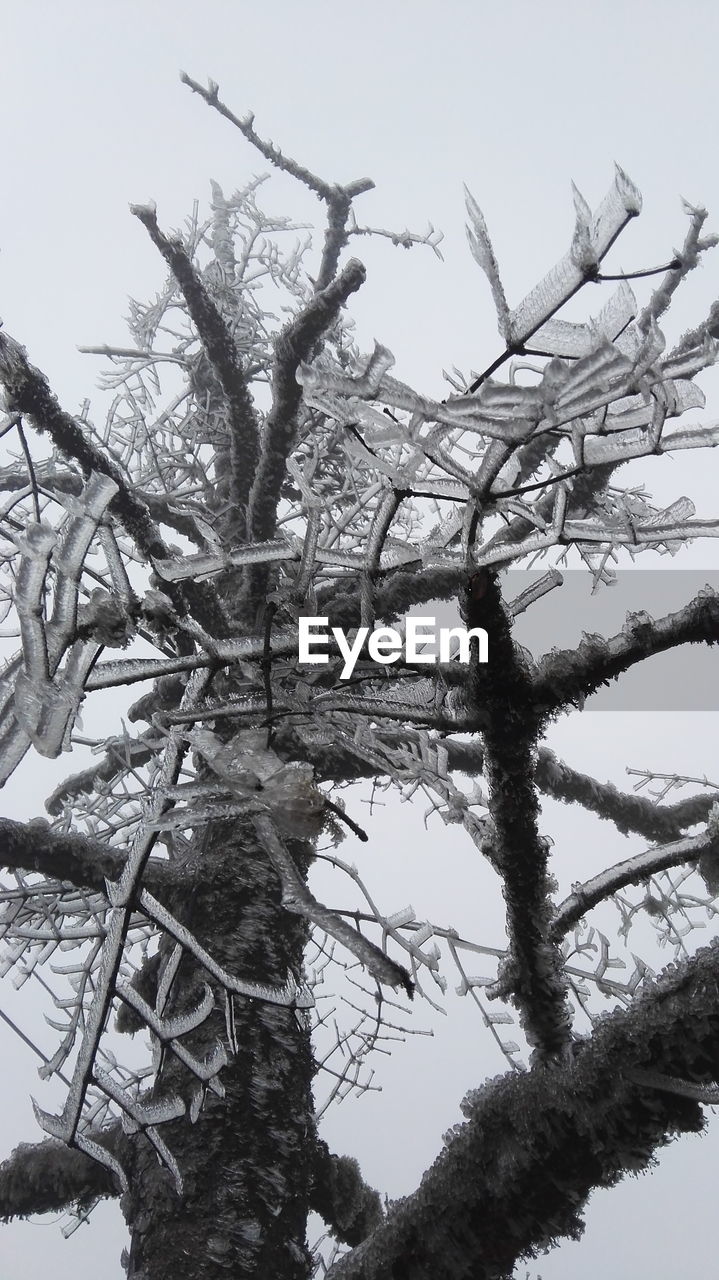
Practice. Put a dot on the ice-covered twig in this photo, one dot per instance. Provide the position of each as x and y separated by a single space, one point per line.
563 676
221 350
297 898
632 871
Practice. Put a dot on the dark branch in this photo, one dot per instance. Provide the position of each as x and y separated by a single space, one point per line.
503 692
513 1177
603 277
33 846
395 594
47 1177
628 812
339 1194
631 871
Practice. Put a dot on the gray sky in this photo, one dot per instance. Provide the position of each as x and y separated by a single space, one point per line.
515 100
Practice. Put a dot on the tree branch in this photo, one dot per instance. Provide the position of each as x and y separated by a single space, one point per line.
337 198
293 346
33 846
297 897
339 1194
633 870
47 1177
512 1178
28 392
533 970
221 350
163 508
628 812
396 593
565 676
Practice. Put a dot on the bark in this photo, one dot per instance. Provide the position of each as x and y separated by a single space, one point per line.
47 1177
533 969
247 1162
81 860
513 1178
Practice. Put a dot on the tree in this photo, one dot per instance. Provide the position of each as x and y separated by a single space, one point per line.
273 475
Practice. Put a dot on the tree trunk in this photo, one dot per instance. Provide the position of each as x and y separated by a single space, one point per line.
246 1162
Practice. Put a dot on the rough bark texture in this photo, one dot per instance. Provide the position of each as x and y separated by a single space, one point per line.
532 971
514 1177
246 1162
47 1177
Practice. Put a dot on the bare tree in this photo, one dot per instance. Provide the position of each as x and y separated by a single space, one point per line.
248 475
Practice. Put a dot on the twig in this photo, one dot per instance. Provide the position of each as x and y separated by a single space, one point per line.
31 470
296 897
338 198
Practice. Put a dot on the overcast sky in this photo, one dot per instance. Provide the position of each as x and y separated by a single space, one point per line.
516 100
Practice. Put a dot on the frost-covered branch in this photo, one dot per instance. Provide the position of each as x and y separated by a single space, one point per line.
687 259
397 592
504 693
632 871
555 778
337 198
297 898
566 676
526 1156
225 359
47 1177
28 391
164 508
81 860
292 346
628 811
351 1208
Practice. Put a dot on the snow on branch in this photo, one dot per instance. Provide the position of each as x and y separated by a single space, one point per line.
292 346
47 1177
69 856
566 676
297 898
629 812
526 1154
28 391
533 970
686 260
